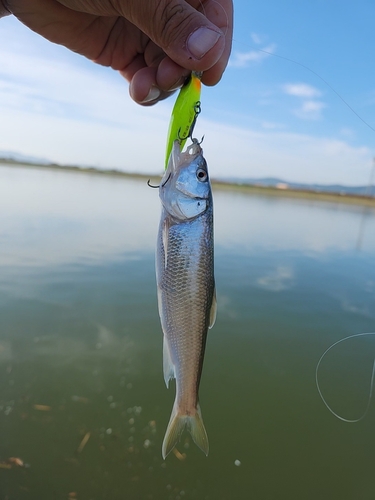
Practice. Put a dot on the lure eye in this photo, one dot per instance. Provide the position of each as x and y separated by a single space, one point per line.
202 175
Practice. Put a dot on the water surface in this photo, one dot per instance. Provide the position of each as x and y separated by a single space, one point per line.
81 347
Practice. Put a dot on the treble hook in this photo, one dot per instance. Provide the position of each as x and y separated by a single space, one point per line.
195 140
197 110
160 185
151 186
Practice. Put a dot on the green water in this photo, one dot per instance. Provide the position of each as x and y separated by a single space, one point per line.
80 335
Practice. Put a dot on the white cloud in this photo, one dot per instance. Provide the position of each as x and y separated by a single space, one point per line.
347 132
312 106
291 156
271 125
310 110
277 280
72 111
256 38
301 90
59 88
243 59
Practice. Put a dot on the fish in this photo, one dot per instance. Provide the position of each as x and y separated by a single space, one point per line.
185 286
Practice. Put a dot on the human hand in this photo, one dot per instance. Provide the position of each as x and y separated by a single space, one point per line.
154 44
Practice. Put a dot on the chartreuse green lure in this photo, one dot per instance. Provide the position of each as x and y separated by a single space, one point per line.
184 113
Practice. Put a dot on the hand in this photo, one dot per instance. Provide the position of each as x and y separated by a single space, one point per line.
154 44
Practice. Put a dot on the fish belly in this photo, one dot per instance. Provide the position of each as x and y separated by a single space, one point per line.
185 282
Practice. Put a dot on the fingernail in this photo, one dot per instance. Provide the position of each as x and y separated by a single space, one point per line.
175 87
179 82
152 95
201 41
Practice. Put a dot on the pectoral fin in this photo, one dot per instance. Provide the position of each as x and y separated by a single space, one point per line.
165 237
213 310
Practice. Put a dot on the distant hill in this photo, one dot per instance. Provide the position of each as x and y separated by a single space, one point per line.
318 188
20 158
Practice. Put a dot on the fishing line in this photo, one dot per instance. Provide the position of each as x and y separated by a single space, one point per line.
323 80
345 102
292 61
314 73
371 382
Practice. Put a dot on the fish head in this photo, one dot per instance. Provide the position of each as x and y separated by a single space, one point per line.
185 190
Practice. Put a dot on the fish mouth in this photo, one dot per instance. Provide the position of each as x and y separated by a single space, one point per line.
189 207
188 156
190 195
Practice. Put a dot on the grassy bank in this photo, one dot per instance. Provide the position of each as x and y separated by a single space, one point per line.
297 193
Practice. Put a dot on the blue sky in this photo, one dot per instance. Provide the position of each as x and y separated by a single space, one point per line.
267 117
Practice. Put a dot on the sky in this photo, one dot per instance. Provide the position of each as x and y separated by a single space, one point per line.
278 111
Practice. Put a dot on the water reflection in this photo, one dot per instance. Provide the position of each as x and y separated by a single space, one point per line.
81 346
55 217
252 223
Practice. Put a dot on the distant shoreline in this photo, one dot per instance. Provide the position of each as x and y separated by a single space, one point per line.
285 192
302 194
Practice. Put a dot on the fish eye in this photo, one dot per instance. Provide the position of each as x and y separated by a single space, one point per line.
202 175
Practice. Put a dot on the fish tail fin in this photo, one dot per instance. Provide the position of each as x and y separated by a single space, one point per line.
198 431
177 424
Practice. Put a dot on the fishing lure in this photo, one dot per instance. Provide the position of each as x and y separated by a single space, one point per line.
184 113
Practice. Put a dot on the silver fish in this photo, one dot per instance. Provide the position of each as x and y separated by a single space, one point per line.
186 286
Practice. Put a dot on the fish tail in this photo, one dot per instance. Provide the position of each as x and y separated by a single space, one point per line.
177 423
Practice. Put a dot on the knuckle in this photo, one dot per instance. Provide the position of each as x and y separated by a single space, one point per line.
174 20
4 8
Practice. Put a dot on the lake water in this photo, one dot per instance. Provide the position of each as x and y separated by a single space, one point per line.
82 396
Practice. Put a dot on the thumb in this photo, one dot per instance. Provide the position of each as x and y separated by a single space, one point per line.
183 33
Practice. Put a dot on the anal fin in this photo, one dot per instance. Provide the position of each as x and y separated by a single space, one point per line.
168 366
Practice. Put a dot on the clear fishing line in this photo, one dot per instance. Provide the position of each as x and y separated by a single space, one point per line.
355 420
324 81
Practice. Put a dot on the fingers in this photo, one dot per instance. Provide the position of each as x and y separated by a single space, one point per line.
154 43
78 31
4 11
150 85
144 88
170 76
195 34
185 34
220 12
173 70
